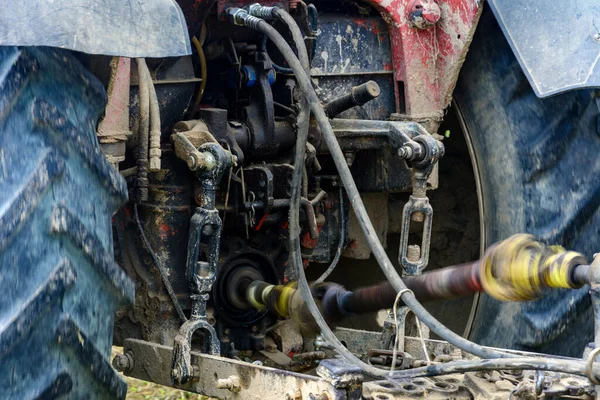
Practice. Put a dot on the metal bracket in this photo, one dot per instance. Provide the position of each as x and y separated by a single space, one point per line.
150 362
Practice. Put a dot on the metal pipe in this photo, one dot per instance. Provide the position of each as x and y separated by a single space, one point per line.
358 96
308 205
337 302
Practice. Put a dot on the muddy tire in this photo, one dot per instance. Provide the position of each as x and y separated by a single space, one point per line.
59 284
538 167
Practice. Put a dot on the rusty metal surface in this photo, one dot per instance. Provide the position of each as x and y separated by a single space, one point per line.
499 385
350 51
431 388
114 128
427 61
152 362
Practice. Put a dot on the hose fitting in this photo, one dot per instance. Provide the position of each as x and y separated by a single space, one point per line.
240 17
261 11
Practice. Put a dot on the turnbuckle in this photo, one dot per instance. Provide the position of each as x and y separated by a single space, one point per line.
205 230
413 258
423 151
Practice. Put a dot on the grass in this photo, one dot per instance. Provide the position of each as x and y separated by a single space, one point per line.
142 390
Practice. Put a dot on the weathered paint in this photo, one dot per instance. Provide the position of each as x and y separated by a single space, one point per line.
427 61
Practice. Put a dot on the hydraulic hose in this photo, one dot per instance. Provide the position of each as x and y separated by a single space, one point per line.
241 17
154 152
143 124
304 110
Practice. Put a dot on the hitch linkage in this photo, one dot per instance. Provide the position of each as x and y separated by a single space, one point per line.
205 228
423 151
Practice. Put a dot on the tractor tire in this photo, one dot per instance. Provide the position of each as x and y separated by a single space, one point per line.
59 284
538 168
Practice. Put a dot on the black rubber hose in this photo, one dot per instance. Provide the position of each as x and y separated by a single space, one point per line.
143 134
303 106
154 151
369 231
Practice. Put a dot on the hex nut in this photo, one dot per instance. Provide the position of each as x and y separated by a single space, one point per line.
123 362
295 394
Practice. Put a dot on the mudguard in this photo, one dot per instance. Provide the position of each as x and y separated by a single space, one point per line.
557 42
130 28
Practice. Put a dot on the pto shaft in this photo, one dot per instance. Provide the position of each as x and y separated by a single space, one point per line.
516 269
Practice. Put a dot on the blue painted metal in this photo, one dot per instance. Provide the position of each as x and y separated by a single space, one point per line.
557 42
130 28
250 74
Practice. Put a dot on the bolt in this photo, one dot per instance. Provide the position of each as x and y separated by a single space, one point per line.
424 13
196 373
320 396
208 230
417 216
413 252
405 152
596 37
232 383
349 156
123 362
271 347
295 394
191 162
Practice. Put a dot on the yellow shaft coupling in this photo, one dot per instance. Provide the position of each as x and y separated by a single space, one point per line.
277 298
519 267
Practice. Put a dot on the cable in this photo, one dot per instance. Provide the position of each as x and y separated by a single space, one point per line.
340 248
276 67
285 108
159 267
574 367
369 231
203 72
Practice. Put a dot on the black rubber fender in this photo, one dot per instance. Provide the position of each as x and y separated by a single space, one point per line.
539 172
59 284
